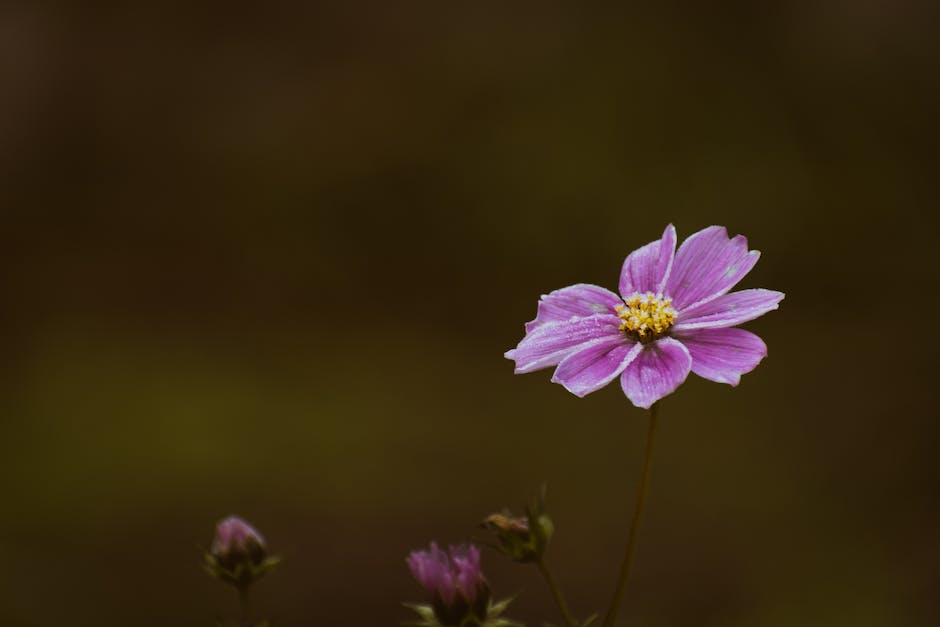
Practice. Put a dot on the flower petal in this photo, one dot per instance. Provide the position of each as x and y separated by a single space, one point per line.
595 365
657 371
548 344
723 355
729 310
428 567
466 564
707 265
647 268
579 300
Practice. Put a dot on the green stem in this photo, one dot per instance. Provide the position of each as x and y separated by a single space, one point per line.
635 526
556 593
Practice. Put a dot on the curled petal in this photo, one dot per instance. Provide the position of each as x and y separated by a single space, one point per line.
657 371
723 355
647 269
707 265
427 567
729 310
574 301
595 365
548 344
466 561
447 587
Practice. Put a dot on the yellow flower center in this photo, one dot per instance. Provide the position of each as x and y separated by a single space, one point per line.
646 316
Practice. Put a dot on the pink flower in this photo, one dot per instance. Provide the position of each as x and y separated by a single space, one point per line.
674 314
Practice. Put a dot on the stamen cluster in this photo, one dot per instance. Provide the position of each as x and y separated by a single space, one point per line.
646 317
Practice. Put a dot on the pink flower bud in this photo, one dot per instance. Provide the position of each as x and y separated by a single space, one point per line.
455 581
238 554
236 541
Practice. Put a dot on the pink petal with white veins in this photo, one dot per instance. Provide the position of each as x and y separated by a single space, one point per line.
595 365
723 355
707 265
657 371
548 344
579 300
647 268
728 310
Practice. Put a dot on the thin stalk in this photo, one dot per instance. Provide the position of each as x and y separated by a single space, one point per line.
244 605
611 615
556 593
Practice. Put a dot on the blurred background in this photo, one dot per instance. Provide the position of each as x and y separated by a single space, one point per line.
265 260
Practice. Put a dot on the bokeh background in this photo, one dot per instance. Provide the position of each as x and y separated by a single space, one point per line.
265 260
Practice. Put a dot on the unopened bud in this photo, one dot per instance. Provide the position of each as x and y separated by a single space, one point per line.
523 539
238 554
459 594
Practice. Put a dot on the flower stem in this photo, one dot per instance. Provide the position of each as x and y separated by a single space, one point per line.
556 593
244 605
611 615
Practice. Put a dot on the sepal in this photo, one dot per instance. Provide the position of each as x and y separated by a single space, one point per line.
493 616
243 574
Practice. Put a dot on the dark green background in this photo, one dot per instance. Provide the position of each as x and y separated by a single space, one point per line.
266 261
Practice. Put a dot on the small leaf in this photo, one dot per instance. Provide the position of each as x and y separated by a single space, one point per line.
426 612
499 607
265 567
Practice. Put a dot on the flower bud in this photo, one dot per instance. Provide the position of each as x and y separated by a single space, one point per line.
523 539
459 593
238 554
